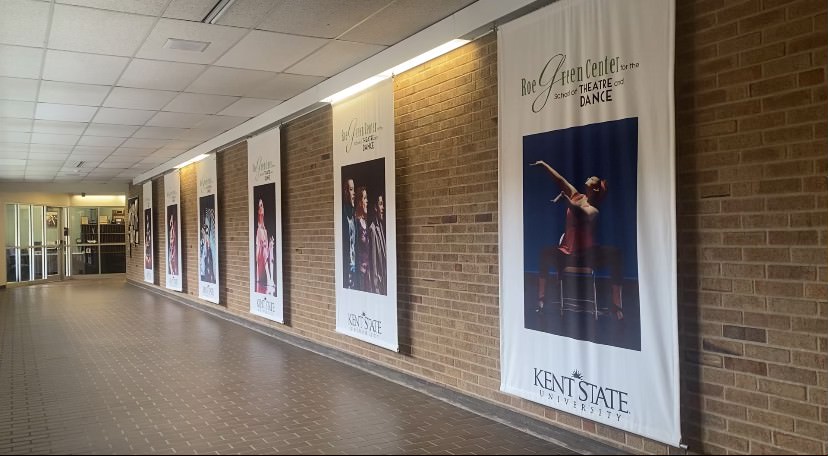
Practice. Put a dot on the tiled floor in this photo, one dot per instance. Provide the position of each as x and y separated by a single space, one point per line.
105 367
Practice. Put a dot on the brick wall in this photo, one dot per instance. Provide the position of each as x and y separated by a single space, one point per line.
752 240
751 133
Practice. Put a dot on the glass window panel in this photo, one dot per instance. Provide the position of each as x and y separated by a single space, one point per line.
52 262
37 263
11 265
23 223
38 224
11 224
83 225
84 260
54 225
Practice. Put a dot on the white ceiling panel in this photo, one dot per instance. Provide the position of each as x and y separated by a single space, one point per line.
160 133
64 112
20 62
97 31
15 137
43 165
18 89
229 81
47 156
23 22
101 141
221 38
249 107
335 57
49 138
10 108
61 128
12 124
189 10
192 137
269 51
199 103
51 150
146 143
221 123
140 152
90 151
323 18
147 7
283 86
8 162
403 19
72 93
246 13
152 74
83 68
123 116
176 119
96 129
152 160
124 97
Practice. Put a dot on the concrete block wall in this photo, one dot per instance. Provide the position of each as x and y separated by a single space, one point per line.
752 197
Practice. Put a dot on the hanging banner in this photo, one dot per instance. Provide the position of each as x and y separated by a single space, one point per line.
265 197
588 228
172 222
133 226
366 240
149 266
208 272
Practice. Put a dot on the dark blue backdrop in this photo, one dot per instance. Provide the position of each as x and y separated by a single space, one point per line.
608 150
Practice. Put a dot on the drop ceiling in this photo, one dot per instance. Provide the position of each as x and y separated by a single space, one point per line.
91 90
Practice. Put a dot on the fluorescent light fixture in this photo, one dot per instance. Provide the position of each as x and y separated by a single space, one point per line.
215 14
186 45
407 65
191 161
354 89
425 57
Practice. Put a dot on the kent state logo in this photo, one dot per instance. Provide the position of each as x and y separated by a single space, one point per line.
364 324
575 392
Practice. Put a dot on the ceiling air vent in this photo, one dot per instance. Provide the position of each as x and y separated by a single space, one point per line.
186 45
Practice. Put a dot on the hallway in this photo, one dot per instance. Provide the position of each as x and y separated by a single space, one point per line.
104 367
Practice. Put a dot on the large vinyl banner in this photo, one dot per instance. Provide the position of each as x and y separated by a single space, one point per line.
265 203
149 246
172 225
208 272
366 240
588 253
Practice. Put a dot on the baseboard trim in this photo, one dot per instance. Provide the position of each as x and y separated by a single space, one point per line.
562 437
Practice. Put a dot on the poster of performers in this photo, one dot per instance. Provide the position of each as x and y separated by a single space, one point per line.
366 261
265 203
133 225
588 242
172 227
208 273
149 267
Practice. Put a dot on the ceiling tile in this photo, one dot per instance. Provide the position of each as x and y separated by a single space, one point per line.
6 162
221 123
20 62
71 93
246 13
403 19
139 152
220 38
64 112
199 103
159 133
152 160
176 119
269 51
49 138
123 97
15 137
47 156
335 57
18 89
23 22
50 149
101 141
12 124
229 81
147 7
249 107
152 74
189 10
84 68
96 31
110 130
56 127
146 143
323 18
123 116
91 151
9 108
283 87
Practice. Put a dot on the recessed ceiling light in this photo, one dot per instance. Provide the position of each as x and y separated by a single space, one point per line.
186 45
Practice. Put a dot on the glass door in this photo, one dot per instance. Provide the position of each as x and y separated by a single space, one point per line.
56 232
35 243
12 250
